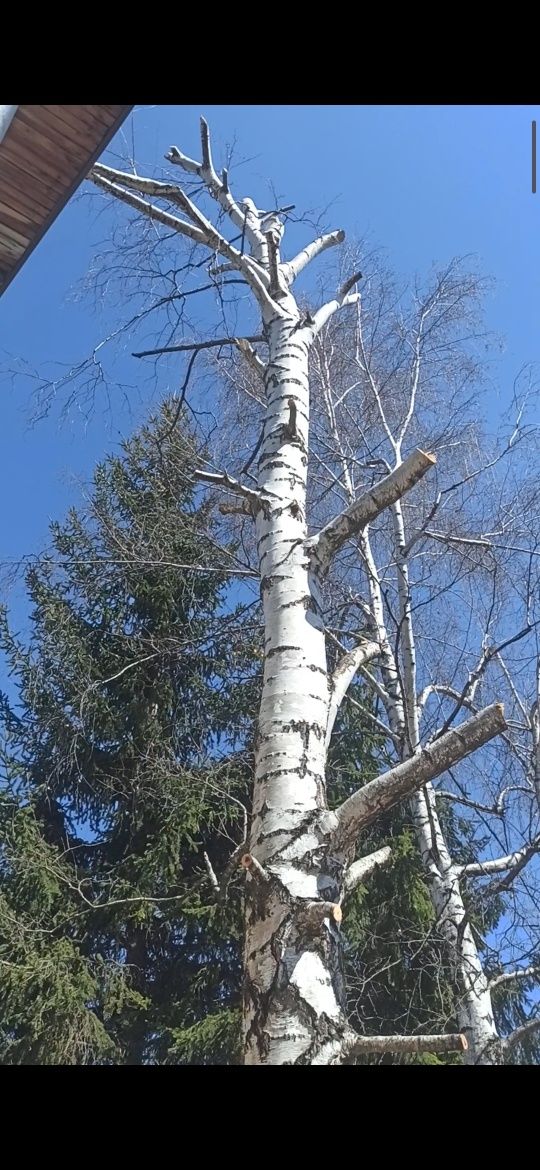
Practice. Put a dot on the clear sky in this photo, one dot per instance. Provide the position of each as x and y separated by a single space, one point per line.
426 182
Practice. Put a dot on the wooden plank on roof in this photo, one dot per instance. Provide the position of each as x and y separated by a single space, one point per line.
9 248
68 142
14 214
29 203
15 237
36 164
42 144
28 184
45 155
82 117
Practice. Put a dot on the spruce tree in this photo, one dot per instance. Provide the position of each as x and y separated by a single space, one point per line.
124 762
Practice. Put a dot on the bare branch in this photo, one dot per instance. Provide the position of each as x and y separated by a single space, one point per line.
360 870
491 810
294 267
521 1034
203 232
185 347
368 506
475 675
499 864
512 976
221 479
431 761
343 676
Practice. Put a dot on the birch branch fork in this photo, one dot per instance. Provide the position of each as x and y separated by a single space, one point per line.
369 802
368 506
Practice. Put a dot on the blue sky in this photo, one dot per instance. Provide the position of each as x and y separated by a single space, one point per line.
426 182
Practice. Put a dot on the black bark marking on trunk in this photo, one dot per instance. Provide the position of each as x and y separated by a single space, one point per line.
281 650
295 936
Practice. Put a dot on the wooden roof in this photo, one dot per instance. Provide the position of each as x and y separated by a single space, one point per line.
44 156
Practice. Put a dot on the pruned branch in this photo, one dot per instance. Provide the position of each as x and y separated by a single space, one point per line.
360 870
211 874
254 868
349 284
148 209
218 188
294 267
431 761
323 315
312 914
241 508
253 359
368 506
365 1045
158 190
291 430
273 264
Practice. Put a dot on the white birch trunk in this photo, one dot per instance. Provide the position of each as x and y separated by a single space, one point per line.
473 999
474 1008
293 984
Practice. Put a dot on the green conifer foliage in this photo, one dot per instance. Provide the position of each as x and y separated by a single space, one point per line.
125 759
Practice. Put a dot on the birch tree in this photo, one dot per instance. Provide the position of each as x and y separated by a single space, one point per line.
438 590
302 858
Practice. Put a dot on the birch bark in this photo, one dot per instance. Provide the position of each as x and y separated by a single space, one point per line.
298 864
